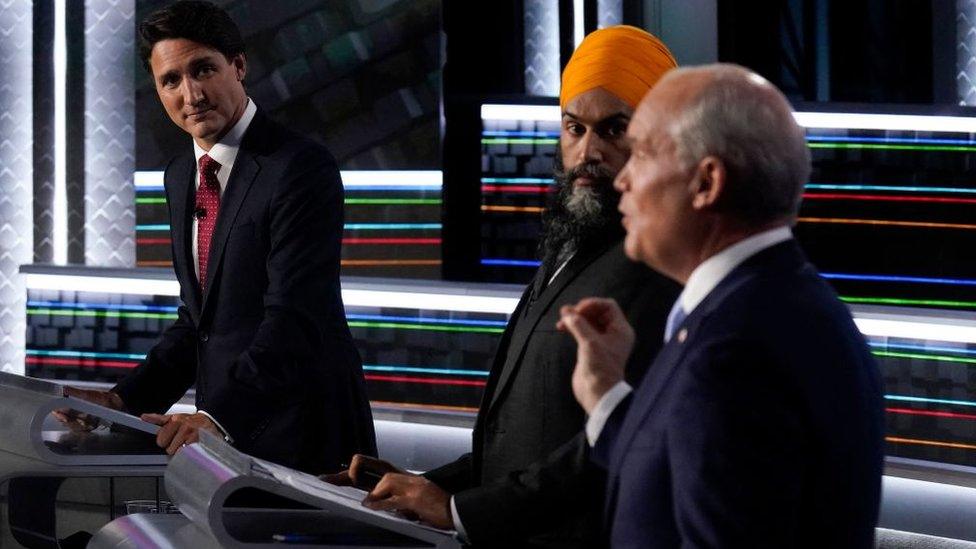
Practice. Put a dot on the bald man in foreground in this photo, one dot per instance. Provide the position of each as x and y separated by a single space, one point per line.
760 422
527 481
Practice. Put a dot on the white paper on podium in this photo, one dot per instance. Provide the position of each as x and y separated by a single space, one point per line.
347 496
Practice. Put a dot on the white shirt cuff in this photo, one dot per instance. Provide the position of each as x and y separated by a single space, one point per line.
462 535
227 437
601 413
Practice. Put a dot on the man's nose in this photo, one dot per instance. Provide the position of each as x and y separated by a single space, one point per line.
591 149
192 92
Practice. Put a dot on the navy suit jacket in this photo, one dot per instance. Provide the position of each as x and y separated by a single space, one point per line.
267 343
761 427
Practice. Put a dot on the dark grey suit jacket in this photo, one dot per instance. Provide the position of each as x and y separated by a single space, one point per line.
267 343
527 480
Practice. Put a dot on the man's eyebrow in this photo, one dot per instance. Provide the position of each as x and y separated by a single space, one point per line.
615 117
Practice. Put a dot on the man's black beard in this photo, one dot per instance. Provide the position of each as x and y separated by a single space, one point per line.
566 229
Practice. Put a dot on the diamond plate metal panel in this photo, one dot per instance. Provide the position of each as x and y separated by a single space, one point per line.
609 13
542 47
109 133
16 177
966 51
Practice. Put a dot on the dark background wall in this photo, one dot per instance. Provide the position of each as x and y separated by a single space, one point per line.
362 77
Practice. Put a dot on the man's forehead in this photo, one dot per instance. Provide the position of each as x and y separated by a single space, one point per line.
172 53
596 105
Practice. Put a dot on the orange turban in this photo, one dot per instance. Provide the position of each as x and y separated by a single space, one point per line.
624 60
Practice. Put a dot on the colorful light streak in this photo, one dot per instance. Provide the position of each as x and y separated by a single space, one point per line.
884 198
393 201
909 302
108 306
457 321
894 188
101 314
425 327
395 188
413 370
516 189
892 147
518 141
519 133
84 354
143 201
492 262
153 241
518 180
512 209
931 348
392 241
920 356
159 227
895 278
886 223
424 407
80 362
922 140
930 413
154 263
390 262
391 226
426 380
931 443
907 398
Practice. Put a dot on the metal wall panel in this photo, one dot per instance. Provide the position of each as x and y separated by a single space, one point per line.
16 176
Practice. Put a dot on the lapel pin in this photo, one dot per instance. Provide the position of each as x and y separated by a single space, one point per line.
682 335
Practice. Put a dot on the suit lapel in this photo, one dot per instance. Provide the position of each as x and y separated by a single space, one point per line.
530 317
246 169
183 195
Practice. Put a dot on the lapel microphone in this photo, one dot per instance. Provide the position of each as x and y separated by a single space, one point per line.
200 213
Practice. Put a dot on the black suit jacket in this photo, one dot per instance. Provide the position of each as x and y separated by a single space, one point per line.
267 343
761 426
527 480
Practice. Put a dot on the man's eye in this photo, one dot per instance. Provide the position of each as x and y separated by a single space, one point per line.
616 131
205 70
576 129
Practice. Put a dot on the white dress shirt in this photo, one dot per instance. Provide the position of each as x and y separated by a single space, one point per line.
702 281
225 153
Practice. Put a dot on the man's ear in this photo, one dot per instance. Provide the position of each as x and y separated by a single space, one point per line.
240 66
708 186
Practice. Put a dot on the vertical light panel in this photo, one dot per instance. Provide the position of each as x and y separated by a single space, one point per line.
542 47
16 177
966 51
579 22
110 217
609 13
60 206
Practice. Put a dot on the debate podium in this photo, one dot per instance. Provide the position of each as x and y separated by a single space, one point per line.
230 499
55 483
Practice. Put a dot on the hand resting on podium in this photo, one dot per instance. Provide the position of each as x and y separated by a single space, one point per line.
80 421
410 495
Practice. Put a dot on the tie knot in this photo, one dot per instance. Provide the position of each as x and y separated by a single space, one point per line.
208 166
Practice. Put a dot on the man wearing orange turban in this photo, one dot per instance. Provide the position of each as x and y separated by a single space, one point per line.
527 481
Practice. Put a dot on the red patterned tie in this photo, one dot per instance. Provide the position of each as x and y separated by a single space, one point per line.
208 204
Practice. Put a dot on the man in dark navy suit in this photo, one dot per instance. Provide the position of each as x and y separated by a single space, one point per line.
256 221
760 422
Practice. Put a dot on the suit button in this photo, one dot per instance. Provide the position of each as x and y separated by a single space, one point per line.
204 336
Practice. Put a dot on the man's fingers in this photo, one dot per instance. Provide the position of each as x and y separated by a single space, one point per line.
391 503
156 419
180 439
341 478
165 435
579 327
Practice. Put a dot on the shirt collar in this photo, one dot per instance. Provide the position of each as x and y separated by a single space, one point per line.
225 150
707 276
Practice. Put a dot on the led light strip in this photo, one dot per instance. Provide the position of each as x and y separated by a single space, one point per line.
929 413
817 120
906 140
918 330
931 443
889 198
886 223
59 206
893 188
363 179
892 122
